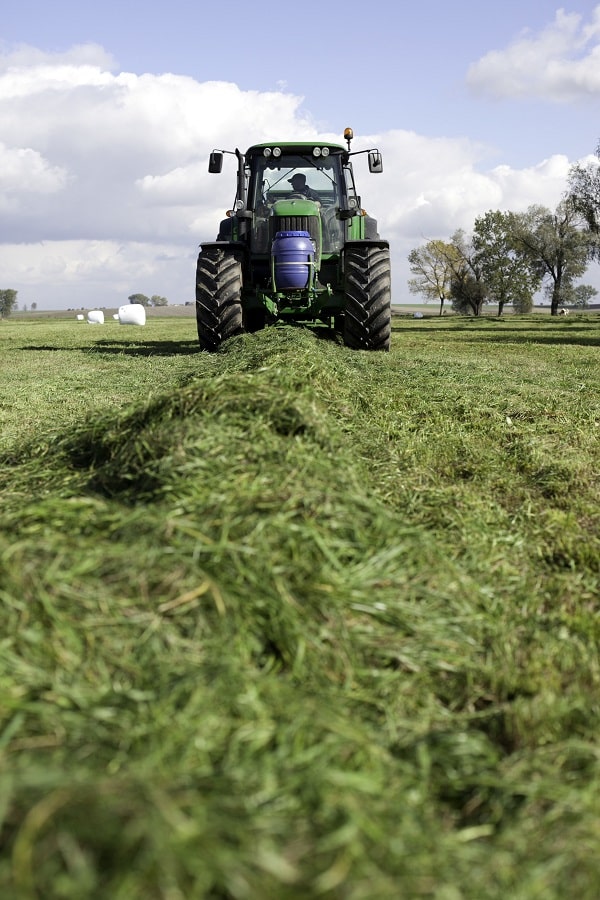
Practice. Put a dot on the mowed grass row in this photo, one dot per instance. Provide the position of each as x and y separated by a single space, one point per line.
292 621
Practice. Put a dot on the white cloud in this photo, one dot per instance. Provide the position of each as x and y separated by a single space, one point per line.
542 184
105 189
432 187
80 273
24 56
561 63
24 171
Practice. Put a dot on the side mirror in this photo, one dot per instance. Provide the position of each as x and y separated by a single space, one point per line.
215 162
375 161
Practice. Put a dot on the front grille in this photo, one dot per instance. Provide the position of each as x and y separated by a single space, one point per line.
298 223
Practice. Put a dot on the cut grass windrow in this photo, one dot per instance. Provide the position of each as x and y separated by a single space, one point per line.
292 621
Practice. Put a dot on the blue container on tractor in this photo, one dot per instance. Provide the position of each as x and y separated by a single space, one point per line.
293 257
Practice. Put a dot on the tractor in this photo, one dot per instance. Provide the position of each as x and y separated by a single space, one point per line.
296 247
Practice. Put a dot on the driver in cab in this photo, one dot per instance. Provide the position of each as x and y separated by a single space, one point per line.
299 186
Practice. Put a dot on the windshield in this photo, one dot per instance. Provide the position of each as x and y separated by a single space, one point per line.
279 178
289 176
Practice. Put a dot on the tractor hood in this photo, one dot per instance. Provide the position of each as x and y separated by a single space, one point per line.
296 207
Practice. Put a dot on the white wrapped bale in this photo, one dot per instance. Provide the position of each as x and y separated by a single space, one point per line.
132 314
96 317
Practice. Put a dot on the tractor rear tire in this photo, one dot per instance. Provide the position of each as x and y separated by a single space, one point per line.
218 296
368 288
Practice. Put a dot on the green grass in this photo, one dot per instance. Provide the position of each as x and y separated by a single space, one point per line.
292 621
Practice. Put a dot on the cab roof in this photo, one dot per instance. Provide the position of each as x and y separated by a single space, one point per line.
301 147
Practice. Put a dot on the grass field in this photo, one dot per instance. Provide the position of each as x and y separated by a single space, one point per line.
291 621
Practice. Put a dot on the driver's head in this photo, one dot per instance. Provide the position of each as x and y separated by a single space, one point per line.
298 181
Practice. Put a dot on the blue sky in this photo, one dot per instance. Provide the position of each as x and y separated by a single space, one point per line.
108 112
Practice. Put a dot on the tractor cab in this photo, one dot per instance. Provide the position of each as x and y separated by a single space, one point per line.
280 182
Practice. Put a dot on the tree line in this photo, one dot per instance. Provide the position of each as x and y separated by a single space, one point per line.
510 256
154 300
8 301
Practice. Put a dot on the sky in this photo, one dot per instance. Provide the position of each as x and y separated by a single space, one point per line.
108 113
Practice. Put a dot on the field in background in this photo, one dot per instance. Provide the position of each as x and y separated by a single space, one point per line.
293 621
188 311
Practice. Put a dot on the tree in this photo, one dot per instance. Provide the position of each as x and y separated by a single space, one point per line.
557 246
580 296
508 273
583 294
139 298
154 300
467 287
8 302
431 266
584 194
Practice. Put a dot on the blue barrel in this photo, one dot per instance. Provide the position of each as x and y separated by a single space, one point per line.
293 256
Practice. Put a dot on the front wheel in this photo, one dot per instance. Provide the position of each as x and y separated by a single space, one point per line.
368 289
218 296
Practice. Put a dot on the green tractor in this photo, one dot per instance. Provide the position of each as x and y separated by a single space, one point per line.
296 247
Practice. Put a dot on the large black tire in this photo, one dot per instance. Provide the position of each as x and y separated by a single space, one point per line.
368 289
218 296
